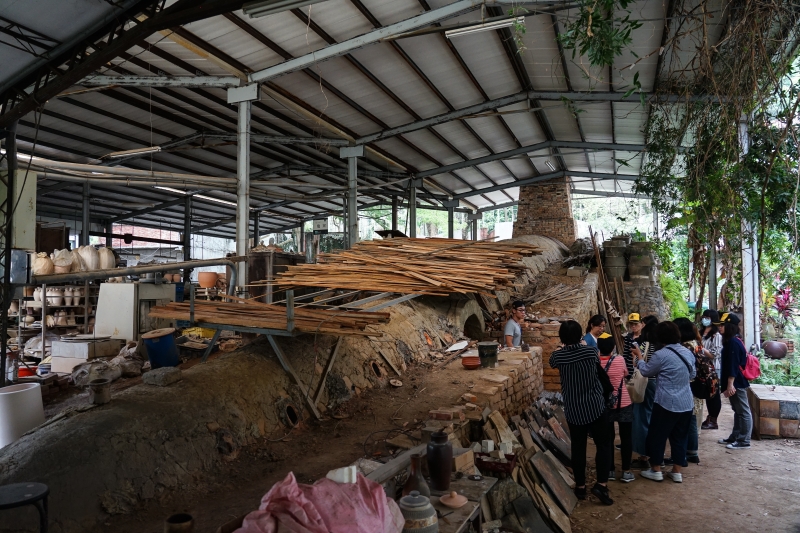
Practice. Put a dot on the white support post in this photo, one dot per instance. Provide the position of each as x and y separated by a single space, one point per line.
352 153
712 275
751 285
693 287
243 96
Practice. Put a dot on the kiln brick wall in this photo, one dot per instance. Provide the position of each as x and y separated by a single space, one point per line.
546 209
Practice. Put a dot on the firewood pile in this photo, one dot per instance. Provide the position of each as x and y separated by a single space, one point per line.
415 266
260 315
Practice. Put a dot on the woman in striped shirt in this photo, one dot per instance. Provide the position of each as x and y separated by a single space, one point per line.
584 407
622 413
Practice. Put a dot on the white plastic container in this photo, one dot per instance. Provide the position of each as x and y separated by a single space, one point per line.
21 410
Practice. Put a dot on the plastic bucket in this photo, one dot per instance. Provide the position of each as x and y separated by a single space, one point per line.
487 352
21 410
161 348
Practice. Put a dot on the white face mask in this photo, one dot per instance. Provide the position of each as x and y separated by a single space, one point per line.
706 322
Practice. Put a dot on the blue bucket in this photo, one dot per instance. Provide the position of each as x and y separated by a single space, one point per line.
161 348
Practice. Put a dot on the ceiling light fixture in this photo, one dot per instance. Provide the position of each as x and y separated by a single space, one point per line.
263 8
550 165
487 26
135 151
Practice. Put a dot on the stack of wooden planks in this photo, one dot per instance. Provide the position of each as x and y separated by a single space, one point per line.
260 315
415 266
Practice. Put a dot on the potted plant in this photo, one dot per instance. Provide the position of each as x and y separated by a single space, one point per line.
784 310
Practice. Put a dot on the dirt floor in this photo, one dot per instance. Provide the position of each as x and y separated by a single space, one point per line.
754 490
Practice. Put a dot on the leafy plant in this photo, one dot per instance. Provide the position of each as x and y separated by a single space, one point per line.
674 297
785 372
785 309
599 33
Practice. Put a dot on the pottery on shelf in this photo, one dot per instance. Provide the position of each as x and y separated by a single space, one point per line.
29 319
207 280
37 294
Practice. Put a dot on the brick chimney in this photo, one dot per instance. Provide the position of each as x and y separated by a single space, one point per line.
545 208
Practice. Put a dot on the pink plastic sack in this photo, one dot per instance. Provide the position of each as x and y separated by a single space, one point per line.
325 507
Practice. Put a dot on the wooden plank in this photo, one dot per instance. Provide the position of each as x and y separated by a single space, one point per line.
556 515
328 366
505 433
385 357
529 517
549 473
525 435
558 446
558 430
561 469
395 466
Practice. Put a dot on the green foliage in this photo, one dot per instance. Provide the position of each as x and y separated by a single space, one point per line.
784 372
600 34
674 296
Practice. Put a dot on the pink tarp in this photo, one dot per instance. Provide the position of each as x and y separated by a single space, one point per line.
324 507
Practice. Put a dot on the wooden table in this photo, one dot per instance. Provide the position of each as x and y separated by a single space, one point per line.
458 520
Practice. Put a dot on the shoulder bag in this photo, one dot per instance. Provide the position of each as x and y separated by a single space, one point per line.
637 383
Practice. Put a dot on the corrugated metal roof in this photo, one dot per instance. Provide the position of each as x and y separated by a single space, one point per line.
378 86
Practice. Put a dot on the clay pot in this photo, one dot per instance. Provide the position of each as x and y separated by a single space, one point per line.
29 319
775 349
419 514
37 294
29 291
207 280
471 363
176 278
416 482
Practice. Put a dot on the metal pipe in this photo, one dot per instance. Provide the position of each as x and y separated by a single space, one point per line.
77 277
37 162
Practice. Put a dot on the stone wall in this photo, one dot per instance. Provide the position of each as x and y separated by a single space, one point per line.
545 208
646 300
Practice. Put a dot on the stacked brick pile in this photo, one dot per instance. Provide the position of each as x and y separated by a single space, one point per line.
545 208
513 385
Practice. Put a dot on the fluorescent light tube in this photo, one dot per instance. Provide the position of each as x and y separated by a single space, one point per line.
135 151
550 165
263 8
488 26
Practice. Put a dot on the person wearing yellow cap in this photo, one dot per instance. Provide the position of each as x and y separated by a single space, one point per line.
733 383
635 326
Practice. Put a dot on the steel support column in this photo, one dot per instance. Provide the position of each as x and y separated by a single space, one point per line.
352 201
109 228
86 221
474 225
450 230
187 236
394 213
243 187
256 227
5 287
412 211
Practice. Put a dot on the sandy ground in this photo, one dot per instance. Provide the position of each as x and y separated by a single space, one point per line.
743 491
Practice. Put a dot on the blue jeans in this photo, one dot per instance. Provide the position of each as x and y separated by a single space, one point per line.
742 418
641 418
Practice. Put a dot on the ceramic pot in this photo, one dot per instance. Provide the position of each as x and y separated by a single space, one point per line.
416 482
14 307
29 319
471 363
29 291
419 514
440 460
37 294
207 280
775 349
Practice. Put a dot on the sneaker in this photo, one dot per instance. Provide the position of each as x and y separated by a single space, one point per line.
602 494
640 464
627 477
612 476
738 445
652 475
580 493
693 459
726 441
617 446
676 477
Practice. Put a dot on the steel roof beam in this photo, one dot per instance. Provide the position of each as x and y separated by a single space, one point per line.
545 177
153 209
162 81
106 44
531 148
611 194
345 47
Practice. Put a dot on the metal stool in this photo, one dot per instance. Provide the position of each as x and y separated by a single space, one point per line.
19 494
